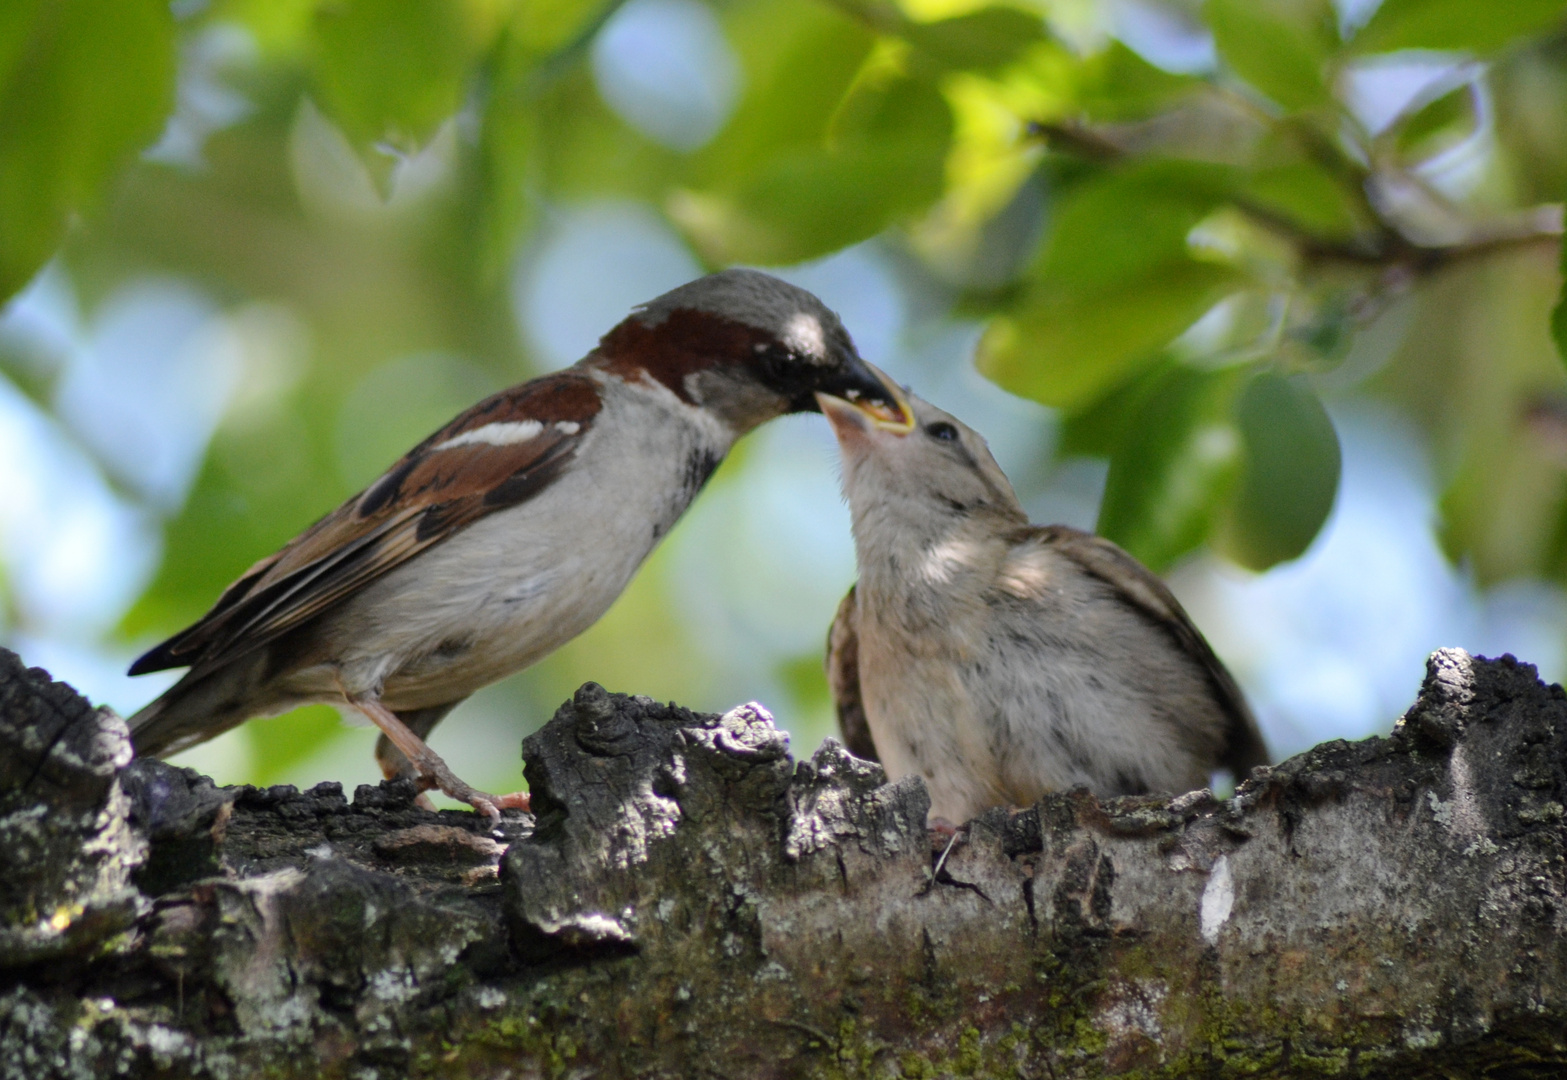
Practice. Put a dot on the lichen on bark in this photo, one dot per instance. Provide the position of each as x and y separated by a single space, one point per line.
691 901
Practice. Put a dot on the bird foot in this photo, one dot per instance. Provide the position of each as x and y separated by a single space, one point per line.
430 770
434 773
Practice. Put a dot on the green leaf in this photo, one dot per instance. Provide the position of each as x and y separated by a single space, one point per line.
1281 47
279 27
983 40
1456 24
1096 429
1117 84
1291 473
1455 109
1124 225
1113 286
1478 371
800 65
85 86
1175 466
547 26
16 27
390 71
881 157
278 743
1307 196
1066 348
508 140
1559 313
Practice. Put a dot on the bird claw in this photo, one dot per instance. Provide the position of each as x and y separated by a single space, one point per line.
436 774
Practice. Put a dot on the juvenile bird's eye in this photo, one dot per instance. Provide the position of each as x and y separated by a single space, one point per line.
942 430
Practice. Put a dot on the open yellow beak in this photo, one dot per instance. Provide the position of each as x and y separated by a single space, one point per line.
897 417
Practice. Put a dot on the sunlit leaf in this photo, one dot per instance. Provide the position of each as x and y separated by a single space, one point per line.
1290 476
1439 125
1279 46
85 86
277 26
1456 24
1178 459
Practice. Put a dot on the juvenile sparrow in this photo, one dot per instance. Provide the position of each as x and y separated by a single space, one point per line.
509 531
1001 660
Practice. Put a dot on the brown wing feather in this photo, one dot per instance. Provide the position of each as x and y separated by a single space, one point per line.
1244 747
843 680
426 497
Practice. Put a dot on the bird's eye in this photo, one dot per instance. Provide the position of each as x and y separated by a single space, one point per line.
942 430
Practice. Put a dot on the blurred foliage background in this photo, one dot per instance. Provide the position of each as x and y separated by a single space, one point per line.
1247 284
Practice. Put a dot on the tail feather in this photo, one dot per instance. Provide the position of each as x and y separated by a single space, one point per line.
1245 748
194 710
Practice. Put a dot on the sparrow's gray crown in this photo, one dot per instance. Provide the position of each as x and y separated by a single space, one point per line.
783 312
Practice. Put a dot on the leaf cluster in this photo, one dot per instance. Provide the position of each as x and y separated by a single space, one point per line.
1183 263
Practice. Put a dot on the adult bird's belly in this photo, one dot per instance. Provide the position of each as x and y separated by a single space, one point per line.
495 598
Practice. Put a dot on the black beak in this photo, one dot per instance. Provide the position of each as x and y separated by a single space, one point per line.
865 385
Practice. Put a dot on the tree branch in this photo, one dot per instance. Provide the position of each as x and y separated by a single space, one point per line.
692 902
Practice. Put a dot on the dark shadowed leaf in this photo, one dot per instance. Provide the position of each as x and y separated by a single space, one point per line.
83 86
1456 24
1096 428
17 24
989 38
1308 197
547 26
1559 313
1281 47
1290 476
1176 464
1117 84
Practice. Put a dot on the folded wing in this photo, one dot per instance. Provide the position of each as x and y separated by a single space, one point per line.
500 453
1244 747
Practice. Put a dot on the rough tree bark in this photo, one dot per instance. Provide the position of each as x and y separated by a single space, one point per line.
692 902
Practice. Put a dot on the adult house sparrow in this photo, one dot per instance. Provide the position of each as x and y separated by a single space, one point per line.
509 531
1000 660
